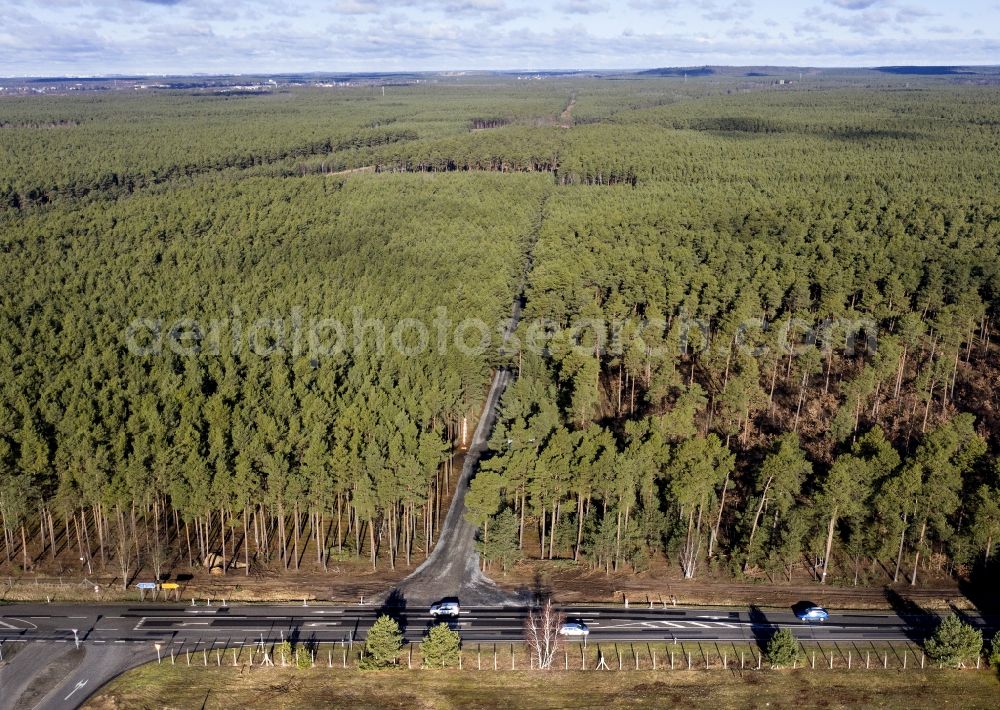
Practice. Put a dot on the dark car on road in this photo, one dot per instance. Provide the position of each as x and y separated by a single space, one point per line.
808 611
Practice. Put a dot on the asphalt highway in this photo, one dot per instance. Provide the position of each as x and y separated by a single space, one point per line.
180 624
95 643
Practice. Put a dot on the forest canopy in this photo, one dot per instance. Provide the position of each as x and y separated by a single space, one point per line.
789 297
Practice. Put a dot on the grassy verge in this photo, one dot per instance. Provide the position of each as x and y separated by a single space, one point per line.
178 686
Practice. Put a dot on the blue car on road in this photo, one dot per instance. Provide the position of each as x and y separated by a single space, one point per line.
807 611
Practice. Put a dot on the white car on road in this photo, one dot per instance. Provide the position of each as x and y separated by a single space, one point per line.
573 628
445 607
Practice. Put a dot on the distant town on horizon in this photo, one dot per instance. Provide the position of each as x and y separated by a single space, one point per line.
262 82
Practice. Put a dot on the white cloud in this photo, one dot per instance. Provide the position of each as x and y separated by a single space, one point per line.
136 36
357 7
654 4
727 13
855 4
582 7
912 13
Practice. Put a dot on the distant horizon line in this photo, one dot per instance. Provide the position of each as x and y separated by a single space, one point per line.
438 72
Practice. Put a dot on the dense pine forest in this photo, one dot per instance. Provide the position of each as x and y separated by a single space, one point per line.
757 335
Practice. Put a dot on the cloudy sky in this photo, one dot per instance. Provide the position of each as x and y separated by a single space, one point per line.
43 37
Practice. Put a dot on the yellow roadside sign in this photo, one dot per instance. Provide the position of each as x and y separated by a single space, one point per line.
170 585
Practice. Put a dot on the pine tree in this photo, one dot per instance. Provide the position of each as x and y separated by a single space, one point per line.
954 642
440 647
843 494
303 657
383 644
943 459
482 500
501 545
697 469
783 648
986 515
779 481
994 657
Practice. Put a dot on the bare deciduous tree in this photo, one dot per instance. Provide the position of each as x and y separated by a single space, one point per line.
541 633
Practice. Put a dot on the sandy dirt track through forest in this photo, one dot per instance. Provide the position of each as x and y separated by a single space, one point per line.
453 567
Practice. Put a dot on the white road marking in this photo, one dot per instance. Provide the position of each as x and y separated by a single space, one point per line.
663 623
23 621
78 686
